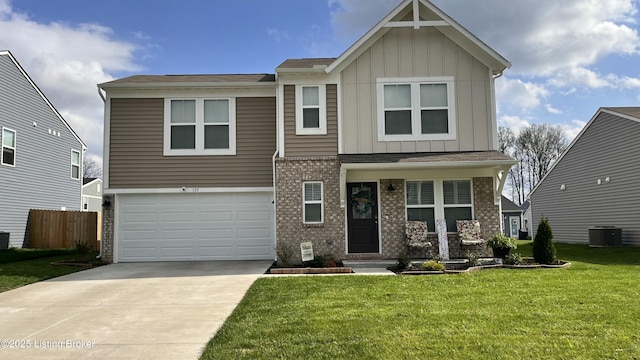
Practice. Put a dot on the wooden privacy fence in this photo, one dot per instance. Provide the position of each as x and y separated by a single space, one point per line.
51 229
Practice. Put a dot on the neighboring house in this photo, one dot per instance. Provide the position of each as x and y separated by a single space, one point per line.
92 194
511 218
526 217
41 159
401 126
595 181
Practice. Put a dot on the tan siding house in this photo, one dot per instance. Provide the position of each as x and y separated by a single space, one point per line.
339 152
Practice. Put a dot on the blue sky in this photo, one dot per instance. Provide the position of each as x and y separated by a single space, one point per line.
569 57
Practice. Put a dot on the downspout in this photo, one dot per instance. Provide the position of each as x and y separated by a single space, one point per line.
273 170
104 100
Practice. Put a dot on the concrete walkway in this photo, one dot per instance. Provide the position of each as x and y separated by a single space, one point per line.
166 310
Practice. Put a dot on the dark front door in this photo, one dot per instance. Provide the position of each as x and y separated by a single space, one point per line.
362 217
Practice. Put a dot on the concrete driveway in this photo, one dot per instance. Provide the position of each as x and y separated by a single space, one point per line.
165 310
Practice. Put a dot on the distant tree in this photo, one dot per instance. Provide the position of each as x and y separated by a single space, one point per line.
91 168
544 252
536 148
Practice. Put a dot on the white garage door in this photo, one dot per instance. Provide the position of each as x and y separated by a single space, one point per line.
195 226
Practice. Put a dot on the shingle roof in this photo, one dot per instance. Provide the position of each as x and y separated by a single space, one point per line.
87 180
631 111
463 156
196 78
508 205
306 63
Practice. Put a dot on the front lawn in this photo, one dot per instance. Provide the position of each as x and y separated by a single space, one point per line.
587 311
16 272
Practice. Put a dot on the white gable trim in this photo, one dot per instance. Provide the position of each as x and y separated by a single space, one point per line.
500 63
35 87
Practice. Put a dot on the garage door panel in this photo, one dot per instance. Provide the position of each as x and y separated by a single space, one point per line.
188 226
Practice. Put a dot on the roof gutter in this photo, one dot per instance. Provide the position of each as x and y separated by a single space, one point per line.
162 85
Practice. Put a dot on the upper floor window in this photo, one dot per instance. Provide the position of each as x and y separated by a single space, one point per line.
311 110
75 164
8 147
200 126
416 109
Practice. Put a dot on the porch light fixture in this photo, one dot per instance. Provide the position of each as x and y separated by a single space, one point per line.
562 187
390 188
106 203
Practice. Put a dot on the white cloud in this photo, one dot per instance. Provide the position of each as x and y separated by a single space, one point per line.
352 18
579 76
515 123
278 35
572 129
552 110
67 62
520 94
544 37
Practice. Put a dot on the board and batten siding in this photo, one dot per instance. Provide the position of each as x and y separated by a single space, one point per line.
310 145
136 148
41 178
426 52
608 148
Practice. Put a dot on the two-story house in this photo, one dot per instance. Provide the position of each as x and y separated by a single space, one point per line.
336 151
41 158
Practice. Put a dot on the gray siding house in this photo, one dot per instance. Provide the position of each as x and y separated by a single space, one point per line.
595 182
511 218
41 156
92 194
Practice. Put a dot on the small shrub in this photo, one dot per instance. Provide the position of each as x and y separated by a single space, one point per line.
472 257
544 252
403 261
330 263
513 259
320 261
432 265
285 253
83 249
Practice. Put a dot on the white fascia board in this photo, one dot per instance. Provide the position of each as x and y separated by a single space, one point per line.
35 87
187 190
432 165
91 182
198 85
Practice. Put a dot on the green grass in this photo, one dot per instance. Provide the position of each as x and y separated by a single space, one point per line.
587 311
15 271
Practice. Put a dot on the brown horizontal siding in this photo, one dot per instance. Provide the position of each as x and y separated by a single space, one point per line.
136 146
310 145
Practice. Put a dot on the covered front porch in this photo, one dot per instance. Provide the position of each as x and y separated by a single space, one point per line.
380 192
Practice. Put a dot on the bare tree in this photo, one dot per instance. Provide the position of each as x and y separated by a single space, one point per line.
536 148
91 168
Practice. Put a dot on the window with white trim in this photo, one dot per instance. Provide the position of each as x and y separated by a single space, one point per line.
311 110
85 203
416 109
313 207
457 202
421 203
200 126
8 147
428 200
75 164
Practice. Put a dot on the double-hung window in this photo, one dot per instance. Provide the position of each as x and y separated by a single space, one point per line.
421 203
200 126
75 164
428 200
312 211
8 147
416 109
311 110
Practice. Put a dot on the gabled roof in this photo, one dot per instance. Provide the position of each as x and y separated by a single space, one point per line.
88 180
509 206
424 14
191 80
37 89
629 113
